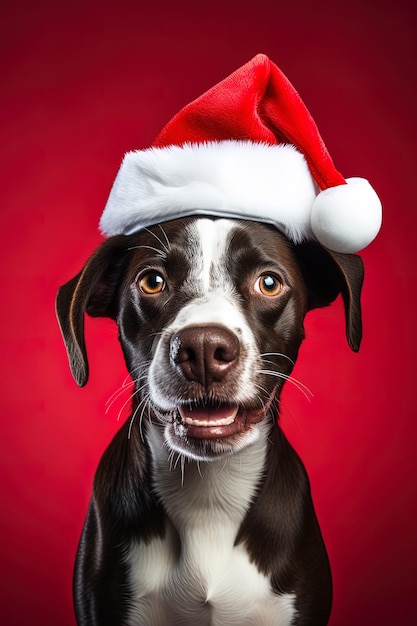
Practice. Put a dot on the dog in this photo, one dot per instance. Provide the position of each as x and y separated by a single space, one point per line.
201 510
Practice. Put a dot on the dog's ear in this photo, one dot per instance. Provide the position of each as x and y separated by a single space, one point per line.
327 274
93 290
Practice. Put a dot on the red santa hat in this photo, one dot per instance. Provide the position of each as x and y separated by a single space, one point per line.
247 148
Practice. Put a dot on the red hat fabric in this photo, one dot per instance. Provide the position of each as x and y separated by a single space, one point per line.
256 103
246 148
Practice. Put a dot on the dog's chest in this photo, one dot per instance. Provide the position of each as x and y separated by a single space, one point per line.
196 574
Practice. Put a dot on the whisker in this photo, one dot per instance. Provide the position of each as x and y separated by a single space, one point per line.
259 397
166 237
127 381
262 389
288 416
170 458
166 250
129 399
182 469
147 405
127 384
268 361
177 460
144 401
298 384
116 394
281 354
160 253
275 409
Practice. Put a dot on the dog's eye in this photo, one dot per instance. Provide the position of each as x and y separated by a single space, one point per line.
268 285
151 283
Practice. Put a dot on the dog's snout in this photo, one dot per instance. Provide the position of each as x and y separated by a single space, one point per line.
205 354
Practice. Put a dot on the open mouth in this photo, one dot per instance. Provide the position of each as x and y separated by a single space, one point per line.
202 421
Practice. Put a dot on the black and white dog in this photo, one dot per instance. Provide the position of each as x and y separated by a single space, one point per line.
201 510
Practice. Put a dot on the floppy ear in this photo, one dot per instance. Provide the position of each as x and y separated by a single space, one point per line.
327 274
94 291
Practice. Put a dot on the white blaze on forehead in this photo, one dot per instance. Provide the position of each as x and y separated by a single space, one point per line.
215 297
209 280
213 237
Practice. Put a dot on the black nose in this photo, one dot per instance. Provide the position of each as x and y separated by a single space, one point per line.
205 354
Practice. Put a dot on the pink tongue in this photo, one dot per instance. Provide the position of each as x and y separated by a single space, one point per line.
207 413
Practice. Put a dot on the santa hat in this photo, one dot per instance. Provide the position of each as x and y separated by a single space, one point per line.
247 148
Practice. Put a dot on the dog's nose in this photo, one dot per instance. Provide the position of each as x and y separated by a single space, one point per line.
205 354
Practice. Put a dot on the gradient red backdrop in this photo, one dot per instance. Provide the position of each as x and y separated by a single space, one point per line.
82 82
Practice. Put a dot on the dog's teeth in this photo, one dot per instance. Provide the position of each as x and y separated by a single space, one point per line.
225 421
211 418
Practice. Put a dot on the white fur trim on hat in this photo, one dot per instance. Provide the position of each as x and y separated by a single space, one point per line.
229 179
240 179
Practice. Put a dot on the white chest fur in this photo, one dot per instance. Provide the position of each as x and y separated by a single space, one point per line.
196 575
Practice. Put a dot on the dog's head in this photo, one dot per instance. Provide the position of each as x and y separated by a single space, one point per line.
210 315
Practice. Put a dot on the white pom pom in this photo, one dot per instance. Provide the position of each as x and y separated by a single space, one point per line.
348 217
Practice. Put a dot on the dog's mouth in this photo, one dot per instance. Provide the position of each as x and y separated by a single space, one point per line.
216 421
209 429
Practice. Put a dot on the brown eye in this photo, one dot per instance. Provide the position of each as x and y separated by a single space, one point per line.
268 285
151 283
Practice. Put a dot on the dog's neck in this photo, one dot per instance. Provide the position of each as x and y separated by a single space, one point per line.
222 488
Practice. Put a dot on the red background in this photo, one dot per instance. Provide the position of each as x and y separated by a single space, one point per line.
82 82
